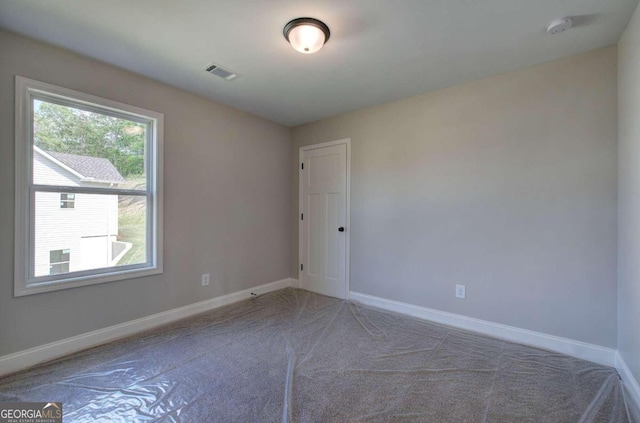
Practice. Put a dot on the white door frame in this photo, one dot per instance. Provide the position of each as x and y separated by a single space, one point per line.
347 142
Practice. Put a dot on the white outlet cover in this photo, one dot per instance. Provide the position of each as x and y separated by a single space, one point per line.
461 291
205 279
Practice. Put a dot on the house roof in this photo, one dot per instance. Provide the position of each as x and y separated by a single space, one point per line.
97 168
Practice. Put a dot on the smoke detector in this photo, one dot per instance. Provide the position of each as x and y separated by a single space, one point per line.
559 25
223 73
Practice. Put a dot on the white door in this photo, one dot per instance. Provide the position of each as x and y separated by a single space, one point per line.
323 220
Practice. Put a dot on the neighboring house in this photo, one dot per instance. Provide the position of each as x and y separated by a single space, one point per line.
75 232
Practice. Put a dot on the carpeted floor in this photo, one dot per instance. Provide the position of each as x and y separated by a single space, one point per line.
294 356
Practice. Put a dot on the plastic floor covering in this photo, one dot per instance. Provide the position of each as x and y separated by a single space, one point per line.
295 356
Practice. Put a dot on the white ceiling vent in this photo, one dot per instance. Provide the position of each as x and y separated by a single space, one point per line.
221 72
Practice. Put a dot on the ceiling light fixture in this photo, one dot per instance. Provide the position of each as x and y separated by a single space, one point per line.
306 35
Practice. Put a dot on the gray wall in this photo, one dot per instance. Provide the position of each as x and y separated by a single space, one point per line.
506 185
227 196
629 196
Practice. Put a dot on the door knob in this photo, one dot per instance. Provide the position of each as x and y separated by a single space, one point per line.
341 229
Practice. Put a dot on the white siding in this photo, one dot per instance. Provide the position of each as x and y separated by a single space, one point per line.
45 172
87 230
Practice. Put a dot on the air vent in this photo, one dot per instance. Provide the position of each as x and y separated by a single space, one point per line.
223 73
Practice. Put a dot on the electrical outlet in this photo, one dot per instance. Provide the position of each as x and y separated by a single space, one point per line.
205 279
461 291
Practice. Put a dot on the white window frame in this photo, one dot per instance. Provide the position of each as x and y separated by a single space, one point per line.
25 283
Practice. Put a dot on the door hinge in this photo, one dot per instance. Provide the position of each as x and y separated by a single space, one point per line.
302 164
301 216
301 267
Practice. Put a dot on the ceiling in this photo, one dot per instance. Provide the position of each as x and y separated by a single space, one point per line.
379 50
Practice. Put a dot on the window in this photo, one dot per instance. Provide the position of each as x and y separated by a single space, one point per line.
67 201
104 160
59 261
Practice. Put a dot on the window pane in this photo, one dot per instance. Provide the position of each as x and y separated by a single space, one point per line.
58 256
75 147
131 247
58 268
67 201
104 231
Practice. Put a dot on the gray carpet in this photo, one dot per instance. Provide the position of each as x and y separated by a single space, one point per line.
295 356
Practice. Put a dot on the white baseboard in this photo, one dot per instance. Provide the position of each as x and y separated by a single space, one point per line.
631 388
582 350
295 283
23 359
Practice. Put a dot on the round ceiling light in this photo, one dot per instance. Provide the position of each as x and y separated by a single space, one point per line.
306 35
